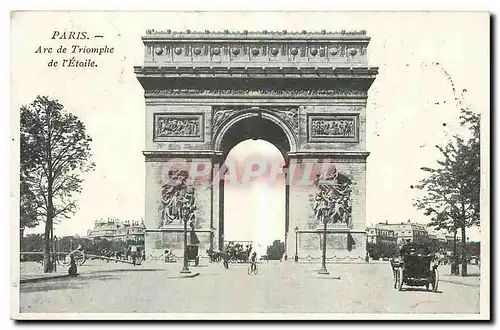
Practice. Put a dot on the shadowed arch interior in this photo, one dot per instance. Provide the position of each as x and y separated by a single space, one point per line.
256 128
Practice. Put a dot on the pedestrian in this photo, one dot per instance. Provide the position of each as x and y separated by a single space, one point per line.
72 270
134 256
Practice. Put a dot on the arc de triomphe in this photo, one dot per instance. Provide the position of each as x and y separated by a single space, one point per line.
304 92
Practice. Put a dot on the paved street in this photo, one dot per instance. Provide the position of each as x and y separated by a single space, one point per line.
279 288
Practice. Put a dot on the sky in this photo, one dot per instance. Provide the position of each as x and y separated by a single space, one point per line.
408 103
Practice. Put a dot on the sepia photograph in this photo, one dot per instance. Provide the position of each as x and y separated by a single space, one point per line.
250 165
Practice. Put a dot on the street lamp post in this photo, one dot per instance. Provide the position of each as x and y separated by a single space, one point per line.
185 268
323 269
296 258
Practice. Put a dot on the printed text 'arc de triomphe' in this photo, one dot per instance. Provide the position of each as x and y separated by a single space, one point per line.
305 92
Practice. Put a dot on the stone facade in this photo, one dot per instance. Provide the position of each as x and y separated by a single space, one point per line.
304 92
404 231
114 229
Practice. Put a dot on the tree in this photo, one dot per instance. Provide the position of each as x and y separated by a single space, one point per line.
275 251
27 202
55 152
453 188
381 249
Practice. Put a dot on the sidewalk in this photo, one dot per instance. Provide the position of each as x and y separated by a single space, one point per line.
473 278
468 280
33 272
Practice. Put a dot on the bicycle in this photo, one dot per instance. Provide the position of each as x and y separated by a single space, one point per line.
252 268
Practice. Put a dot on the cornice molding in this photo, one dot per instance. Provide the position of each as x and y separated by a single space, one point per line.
160 155
361 155
256 93
264 34
225 71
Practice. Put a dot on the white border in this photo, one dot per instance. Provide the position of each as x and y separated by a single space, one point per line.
221 5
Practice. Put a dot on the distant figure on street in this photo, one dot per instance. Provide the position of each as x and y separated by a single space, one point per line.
253 261
143 255
225 259
134 257
72 271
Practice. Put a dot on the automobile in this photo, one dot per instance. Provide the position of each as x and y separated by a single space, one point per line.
385 258
416 266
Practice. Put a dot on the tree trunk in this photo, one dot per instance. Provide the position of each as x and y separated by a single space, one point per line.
464 252
454 262
47 264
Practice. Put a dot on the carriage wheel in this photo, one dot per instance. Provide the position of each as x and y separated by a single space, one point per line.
79 258
400 279
435 280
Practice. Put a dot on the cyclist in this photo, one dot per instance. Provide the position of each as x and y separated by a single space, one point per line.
253 261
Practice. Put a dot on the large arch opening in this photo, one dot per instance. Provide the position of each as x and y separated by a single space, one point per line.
253 195
255 211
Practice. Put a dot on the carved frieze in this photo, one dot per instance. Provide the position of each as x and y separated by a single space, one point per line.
262 92
333 128
178 127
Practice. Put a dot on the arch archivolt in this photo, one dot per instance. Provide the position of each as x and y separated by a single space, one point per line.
285 117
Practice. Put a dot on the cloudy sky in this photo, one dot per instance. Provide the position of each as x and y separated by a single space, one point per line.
408 104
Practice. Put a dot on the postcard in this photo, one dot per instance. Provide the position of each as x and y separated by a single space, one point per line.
250 165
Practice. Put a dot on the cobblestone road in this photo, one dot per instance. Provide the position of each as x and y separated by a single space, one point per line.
278 288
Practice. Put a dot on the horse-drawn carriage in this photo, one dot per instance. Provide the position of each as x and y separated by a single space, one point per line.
415 267
238 252
234 252
79 255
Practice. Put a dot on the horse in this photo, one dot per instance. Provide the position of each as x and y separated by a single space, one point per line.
215 256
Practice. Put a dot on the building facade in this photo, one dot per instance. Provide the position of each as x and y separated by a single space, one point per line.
380 235
404 231
304 92
115 229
